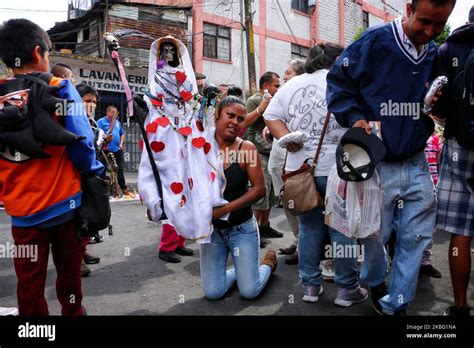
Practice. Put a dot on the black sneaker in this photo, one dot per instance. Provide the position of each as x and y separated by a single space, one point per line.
454 311
184 251
268 232
263 243
430 271
169 256
376 293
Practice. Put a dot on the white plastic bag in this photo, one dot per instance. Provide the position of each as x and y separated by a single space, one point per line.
353 208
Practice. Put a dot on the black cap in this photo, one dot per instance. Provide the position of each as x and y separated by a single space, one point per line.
358 154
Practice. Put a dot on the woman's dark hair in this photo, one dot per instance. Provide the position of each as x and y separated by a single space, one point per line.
235 91
84 89
227 101
18 39
322 56
297 65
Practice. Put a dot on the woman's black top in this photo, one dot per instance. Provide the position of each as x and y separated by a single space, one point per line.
237 186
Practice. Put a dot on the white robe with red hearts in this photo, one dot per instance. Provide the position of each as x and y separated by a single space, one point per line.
186 155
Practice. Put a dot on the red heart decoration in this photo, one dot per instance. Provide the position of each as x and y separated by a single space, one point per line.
151 127
191 183
141 143
207 148
187 96
180 77
185 131
162 121
213 176
157 102
198 142
157 146
199 126
177 187
183 201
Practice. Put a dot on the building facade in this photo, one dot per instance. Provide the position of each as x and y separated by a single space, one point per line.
283 29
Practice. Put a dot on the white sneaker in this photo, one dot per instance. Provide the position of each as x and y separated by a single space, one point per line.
311 293
4 311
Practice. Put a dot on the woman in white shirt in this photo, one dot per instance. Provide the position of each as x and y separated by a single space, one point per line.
300 105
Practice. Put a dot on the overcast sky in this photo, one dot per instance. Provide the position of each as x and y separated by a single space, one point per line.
46 13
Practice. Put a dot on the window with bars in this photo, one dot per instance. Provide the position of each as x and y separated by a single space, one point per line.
216 42
298 51
300 5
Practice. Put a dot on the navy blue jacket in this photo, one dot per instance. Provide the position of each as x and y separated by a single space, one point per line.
373 75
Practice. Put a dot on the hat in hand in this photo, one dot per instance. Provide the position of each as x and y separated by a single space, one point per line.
358 154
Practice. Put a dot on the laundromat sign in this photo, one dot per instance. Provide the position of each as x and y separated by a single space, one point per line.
110 81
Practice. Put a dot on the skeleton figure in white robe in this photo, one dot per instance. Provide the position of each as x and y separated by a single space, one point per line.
181 131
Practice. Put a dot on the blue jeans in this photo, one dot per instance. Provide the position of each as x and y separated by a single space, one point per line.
310 245
243 243
409 206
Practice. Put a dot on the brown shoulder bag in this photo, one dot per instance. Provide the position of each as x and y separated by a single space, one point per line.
300 194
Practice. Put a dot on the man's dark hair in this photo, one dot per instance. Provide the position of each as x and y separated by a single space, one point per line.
235 91
226 101
18 38
267 78
111 107
84 89
471 15
322 56
58 69
414 3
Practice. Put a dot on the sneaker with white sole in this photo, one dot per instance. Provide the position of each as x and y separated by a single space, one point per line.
4 311
311 293
348 297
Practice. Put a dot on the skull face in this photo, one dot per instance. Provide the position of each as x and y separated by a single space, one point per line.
168 51
111 41
169 54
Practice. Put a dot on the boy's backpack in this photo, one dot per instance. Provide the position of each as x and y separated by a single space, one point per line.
463 98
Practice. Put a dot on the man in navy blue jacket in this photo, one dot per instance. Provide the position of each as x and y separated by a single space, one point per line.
381 77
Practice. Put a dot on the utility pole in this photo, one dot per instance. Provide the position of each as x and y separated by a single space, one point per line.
242 53
250 47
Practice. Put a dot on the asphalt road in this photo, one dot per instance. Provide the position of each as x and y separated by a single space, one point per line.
132 280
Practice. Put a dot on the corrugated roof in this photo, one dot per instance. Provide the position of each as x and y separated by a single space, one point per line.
174 3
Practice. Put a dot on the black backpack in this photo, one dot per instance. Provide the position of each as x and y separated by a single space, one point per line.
463 98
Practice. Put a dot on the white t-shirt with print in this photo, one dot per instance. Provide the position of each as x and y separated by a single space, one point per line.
301 104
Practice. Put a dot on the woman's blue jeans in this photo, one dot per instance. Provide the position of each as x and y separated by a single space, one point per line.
310 247
243 243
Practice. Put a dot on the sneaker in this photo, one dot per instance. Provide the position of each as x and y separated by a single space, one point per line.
327 270
169 256
454 311
270 260
268 232
430 271
311 293
348 297
376 293
12 311
184 251
85 271
91 260
263 243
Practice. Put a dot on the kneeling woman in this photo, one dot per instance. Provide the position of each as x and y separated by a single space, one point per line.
239 234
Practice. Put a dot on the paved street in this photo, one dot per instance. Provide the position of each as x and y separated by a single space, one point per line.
132 280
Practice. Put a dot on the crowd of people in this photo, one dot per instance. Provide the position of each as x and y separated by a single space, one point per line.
433 182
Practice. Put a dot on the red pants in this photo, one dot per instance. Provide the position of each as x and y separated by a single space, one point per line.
67 255
170 241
